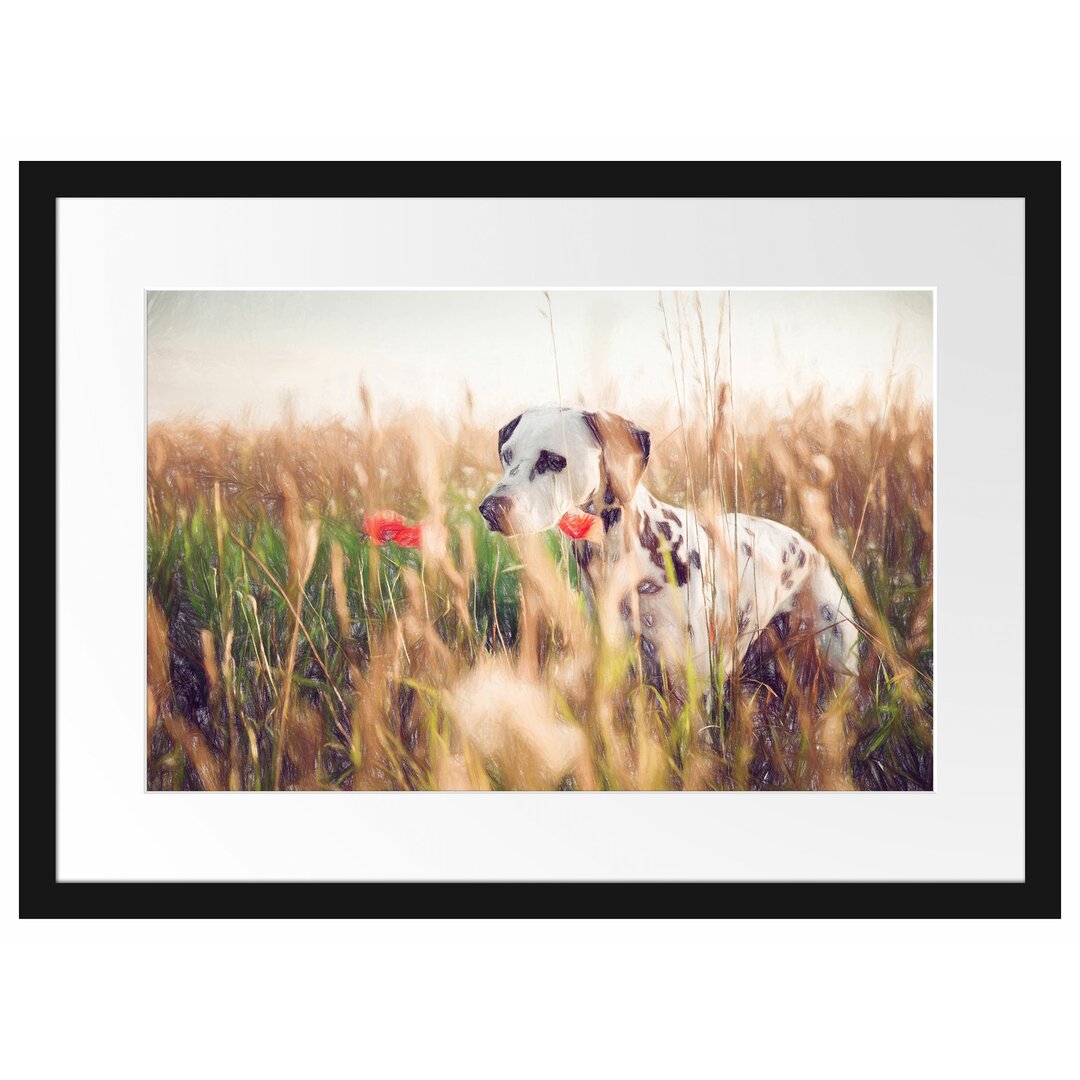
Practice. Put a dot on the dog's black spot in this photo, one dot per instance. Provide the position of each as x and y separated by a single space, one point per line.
665 528
648 647
695 560
784 557
609 496
651 543
826 612
748 549
792 547
583 553
624 607
652 502
610 517
801 560
646 587
508 456
672 517
644 441
507 430
548 461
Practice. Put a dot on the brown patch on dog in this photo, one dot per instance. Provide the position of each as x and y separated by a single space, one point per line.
624 449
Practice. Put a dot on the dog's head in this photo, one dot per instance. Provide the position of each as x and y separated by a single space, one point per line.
555 460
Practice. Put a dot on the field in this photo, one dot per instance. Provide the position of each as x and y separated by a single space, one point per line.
286 650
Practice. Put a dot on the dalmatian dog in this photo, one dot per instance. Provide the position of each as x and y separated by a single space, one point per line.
679 580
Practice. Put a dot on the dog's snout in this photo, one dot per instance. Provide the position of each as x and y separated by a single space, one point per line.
493 510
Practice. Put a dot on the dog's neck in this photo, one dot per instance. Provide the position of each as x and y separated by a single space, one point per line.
614 514
659 532
622 525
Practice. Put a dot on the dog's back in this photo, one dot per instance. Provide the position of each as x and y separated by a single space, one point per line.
693 589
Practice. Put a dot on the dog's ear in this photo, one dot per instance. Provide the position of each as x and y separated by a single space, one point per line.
507 430
624 451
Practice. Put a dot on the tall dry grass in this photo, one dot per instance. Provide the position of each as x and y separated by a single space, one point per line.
287 651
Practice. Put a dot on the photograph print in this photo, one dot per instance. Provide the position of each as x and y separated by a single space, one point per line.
561 540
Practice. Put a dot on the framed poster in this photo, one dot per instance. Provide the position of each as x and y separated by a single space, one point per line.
574 541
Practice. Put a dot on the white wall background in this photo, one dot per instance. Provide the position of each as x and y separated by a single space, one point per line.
430 81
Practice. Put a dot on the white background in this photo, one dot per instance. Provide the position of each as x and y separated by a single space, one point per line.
425 80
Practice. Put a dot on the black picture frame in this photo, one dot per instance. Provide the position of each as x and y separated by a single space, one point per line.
42 183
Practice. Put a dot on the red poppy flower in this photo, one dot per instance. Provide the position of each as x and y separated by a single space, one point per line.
386 526
580 526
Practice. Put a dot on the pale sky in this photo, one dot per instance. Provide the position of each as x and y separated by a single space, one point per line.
233 355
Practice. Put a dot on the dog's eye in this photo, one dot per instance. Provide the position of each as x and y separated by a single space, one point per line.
549 462
507 456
